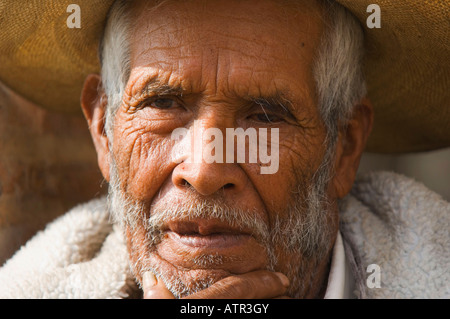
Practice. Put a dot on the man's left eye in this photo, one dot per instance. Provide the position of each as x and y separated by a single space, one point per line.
266 118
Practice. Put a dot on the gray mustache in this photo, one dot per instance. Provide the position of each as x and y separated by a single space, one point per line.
161 214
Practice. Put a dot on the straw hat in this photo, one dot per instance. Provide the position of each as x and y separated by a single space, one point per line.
407 65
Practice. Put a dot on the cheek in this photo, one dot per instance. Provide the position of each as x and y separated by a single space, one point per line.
143 158
299 156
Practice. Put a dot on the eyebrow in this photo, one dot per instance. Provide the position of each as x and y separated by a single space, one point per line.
155 87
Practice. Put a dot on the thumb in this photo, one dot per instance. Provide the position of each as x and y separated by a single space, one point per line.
154 288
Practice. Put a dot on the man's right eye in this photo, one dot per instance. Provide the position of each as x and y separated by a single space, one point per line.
161 103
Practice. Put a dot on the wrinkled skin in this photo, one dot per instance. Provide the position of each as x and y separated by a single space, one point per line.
221 55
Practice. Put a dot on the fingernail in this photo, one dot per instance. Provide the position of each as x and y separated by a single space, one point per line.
149 280
283 278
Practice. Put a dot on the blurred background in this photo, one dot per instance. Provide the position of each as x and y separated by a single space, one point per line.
48 164
430 168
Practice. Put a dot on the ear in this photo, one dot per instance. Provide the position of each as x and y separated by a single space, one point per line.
93 103
350 145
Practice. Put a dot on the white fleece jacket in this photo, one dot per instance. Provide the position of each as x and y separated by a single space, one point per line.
388 220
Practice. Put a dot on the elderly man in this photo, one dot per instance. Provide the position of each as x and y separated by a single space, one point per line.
224 229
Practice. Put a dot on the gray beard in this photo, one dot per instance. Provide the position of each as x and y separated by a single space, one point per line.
303 231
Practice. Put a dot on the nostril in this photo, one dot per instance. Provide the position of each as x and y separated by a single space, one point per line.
185 183
229 185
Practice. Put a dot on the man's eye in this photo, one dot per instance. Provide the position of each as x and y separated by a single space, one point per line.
266 118
162 103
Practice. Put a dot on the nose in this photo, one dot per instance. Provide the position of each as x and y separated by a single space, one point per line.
205 176
209 178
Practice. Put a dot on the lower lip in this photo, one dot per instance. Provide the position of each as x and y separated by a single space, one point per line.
217 241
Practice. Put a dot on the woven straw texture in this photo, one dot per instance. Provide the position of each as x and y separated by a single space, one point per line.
44 60
408 73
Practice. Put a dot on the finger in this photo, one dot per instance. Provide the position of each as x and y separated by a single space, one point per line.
259 284
155 288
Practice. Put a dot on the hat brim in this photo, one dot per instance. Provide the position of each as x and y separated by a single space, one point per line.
407 64
407 70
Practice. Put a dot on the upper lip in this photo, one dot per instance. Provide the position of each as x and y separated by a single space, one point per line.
204 227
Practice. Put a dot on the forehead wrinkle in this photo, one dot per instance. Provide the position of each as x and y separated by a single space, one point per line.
178 23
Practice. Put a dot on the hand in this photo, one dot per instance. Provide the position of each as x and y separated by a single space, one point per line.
260 284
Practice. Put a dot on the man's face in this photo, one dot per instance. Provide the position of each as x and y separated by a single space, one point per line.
224 64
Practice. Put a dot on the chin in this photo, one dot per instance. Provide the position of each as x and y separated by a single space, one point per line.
182 281
190 265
